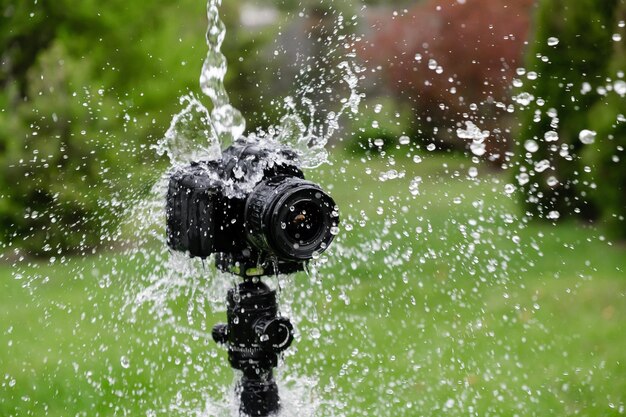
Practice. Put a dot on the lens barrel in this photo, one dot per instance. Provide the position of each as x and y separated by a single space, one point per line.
290 218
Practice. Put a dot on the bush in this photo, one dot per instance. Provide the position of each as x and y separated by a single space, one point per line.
57 153
605 181
85 90
583 29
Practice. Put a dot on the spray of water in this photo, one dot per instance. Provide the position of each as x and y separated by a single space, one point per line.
196 133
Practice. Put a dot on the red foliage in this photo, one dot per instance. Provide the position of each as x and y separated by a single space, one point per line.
477 43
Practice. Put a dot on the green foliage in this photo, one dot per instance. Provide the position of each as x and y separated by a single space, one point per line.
607 159
381 118
55 154
584 29
86 88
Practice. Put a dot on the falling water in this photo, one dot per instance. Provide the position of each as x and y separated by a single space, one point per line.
229 123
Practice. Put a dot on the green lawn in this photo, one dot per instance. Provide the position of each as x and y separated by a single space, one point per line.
443 303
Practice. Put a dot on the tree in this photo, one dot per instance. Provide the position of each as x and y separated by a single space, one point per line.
450 58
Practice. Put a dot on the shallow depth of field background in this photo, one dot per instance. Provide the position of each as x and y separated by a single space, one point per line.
87 89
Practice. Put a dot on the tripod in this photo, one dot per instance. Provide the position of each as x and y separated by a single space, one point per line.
255 336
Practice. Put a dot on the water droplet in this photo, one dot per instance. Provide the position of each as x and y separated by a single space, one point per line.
405 140
478 149
587 136
524 99
553 215
125 362
531 146
472 132
523 178
542 165
551 136
552 181
552 41
620 87
414 186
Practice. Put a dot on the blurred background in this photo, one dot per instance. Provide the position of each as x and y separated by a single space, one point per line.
88 88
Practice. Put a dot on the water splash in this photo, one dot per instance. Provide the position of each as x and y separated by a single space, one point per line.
191 136
180 292
309 140
198 134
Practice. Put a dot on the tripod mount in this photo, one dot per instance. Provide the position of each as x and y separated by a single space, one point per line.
255 335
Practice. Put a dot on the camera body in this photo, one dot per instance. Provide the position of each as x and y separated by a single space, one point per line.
253 208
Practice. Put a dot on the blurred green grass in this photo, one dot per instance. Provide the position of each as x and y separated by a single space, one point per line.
538 331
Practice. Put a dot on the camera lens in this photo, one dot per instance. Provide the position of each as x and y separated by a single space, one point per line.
290 217
303 222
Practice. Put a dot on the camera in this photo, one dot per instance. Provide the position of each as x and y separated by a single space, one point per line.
252 208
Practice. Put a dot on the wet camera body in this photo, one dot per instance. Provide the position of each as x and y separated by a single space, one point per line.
253 208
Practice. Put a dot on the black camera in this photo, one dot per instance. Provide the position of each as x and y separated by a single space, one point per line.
253 208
